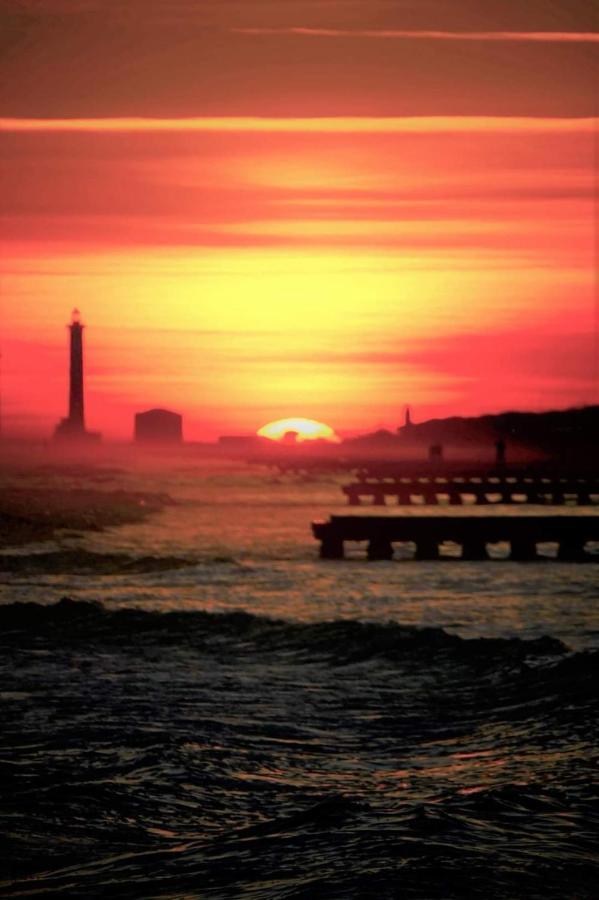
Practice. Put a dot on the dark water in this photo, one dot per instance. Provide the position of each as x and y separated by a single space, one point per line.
202 754
220 714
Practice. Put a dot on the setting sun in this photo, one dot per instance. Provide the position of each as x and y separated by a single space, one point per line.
297 429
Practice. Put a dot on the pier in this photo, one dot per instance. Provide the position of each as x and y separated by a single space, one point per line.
472 532
479 489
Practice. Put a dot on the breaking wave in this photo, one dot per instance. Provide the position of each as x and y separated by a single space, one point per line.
344 640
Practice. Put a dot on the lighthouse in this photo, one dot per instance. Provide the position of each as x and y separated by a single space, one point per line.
76 413
73 426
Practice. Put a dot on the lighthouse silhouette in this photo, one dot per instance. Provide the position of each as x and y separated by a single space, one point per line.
72 428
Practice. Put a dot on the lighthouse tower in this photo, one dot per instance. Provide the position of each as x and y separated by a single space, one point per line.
76 413
73 427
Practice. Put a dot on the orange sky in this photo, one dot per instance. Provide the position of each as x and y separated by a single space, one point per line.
297 209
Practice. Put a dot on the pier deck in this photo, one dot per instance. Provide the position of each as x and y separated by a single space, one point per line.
456 490
473 532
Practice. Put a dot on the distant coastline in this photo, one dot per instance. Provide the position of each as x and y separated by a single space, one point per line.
569 434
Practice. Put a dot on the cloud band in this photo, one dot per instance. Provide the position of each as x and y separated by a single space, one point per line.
324 125
543 37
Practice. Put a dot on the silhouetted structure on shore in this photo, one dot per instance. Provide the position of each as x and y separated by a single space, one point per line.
569 437
500 452
435 452
72 428
158 426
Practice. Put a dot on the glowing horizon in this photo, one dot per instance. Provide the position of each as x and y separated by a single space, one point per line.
309 220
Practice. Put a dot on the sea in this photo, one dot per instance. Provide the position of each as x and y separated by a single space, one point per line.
221 714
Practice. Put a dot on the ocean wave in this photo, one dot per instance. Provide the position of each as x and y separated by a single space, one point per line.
344 640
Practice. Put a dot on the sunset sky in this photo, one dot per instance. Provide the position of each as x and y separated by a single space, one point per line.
321 208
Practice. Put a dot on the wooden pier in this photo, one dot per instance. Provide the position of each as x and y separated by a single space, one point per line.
478 489
472 532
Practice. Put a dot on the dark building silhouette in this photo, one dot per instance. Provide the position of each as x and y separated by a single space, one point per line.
73 426
158 426
500 452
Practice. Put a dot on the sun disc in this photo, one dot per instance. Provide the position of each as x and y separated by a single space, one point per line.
302 429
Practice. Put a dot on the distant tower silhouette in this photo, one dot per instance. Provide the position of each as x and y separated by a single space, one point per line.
76 407
405 430
73 427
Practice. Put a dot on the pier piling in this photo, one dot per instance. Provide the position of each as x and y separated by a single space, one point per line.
379 548
474 549
523 549
426 549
